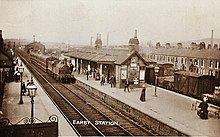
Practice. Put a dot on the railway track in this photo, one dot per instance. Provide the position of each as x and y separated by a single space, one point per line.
87 115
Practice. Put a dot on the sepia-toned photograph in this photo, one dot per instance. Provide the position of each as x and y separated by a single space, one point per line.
73 68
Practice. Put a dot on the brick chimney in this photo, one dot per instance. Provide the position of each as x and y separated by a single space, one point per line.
1 40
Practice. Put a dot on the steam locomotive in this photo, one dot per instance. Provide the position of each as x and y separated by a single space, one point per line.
60 70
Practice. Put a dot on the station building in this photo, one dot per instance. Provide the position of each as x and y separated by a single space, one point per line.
7 64
35 47
124 63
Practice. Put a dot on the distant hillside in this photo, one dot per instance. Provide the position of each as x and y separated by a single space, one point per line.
62 46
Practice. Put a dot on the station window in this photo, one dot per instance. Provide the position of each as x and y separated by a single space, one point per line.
142 67
182 60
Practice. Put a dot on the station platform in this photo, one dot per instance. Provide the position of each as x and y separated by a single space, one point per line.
43 106
173 109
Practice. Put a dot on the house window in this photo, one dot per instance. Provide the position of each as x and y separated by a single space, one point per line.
182 60
210 64
202 62
196 62
217 64
157 58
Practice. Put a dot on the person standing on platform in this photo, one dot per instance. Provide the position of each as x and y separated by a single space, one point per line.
26 84
142 98
203 112
126 85
112 81
79 69
23 88
87 75
102 80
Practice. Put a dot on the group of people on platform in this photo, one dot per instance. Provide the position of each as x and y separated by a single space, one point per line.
203 106
112 80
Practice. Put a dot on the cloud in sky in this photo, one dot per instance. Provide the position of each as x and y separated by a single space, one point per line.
79 20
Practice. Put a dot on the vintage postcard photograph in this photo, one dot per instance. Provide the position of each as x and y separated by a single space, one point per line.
109 68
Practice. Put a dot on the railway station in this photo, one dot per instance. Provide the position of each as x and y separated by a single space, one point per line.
85 107
181 117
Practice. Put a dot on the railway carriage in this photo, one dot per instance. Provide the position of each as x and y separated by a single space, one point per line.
39 60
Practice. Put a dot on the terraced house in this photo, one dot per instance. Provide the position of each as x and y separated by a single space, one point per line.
204 61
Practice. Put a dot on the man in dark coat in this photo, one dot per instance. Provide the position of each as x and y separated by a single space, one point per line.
87 75
112 81
142 98
126 85
102 80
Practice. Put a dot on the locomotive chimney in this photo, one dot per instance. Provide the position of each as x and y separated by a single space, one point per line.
1 39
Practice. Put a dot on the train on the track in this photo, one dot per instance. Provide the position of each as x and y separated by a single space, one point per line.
60 70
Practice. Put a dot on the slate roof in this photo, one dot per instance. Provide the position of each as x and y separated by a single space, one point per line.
104 55
188 73
193 53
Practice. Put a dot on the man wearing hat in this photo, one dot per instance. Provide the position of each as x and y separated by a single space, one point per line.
203 112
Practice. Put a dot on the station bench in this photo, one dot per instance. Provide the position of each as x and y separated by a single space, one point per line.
211 109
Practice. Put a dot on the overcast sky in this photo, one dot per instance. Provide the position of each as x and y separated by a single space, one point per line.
76 21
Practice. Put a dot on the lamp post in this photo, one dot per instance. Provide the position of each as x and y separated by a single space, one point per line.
21 70
156 70
32 93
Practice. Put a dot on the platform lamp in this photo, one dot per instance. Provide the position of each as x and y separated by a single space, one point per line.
32 89
156 70
21 70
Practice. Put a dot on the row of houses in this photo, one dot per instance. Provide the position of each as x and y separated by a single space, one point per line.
202 61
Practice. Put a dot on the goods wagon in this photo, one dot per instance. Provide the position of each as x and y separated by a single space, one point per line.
193 84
